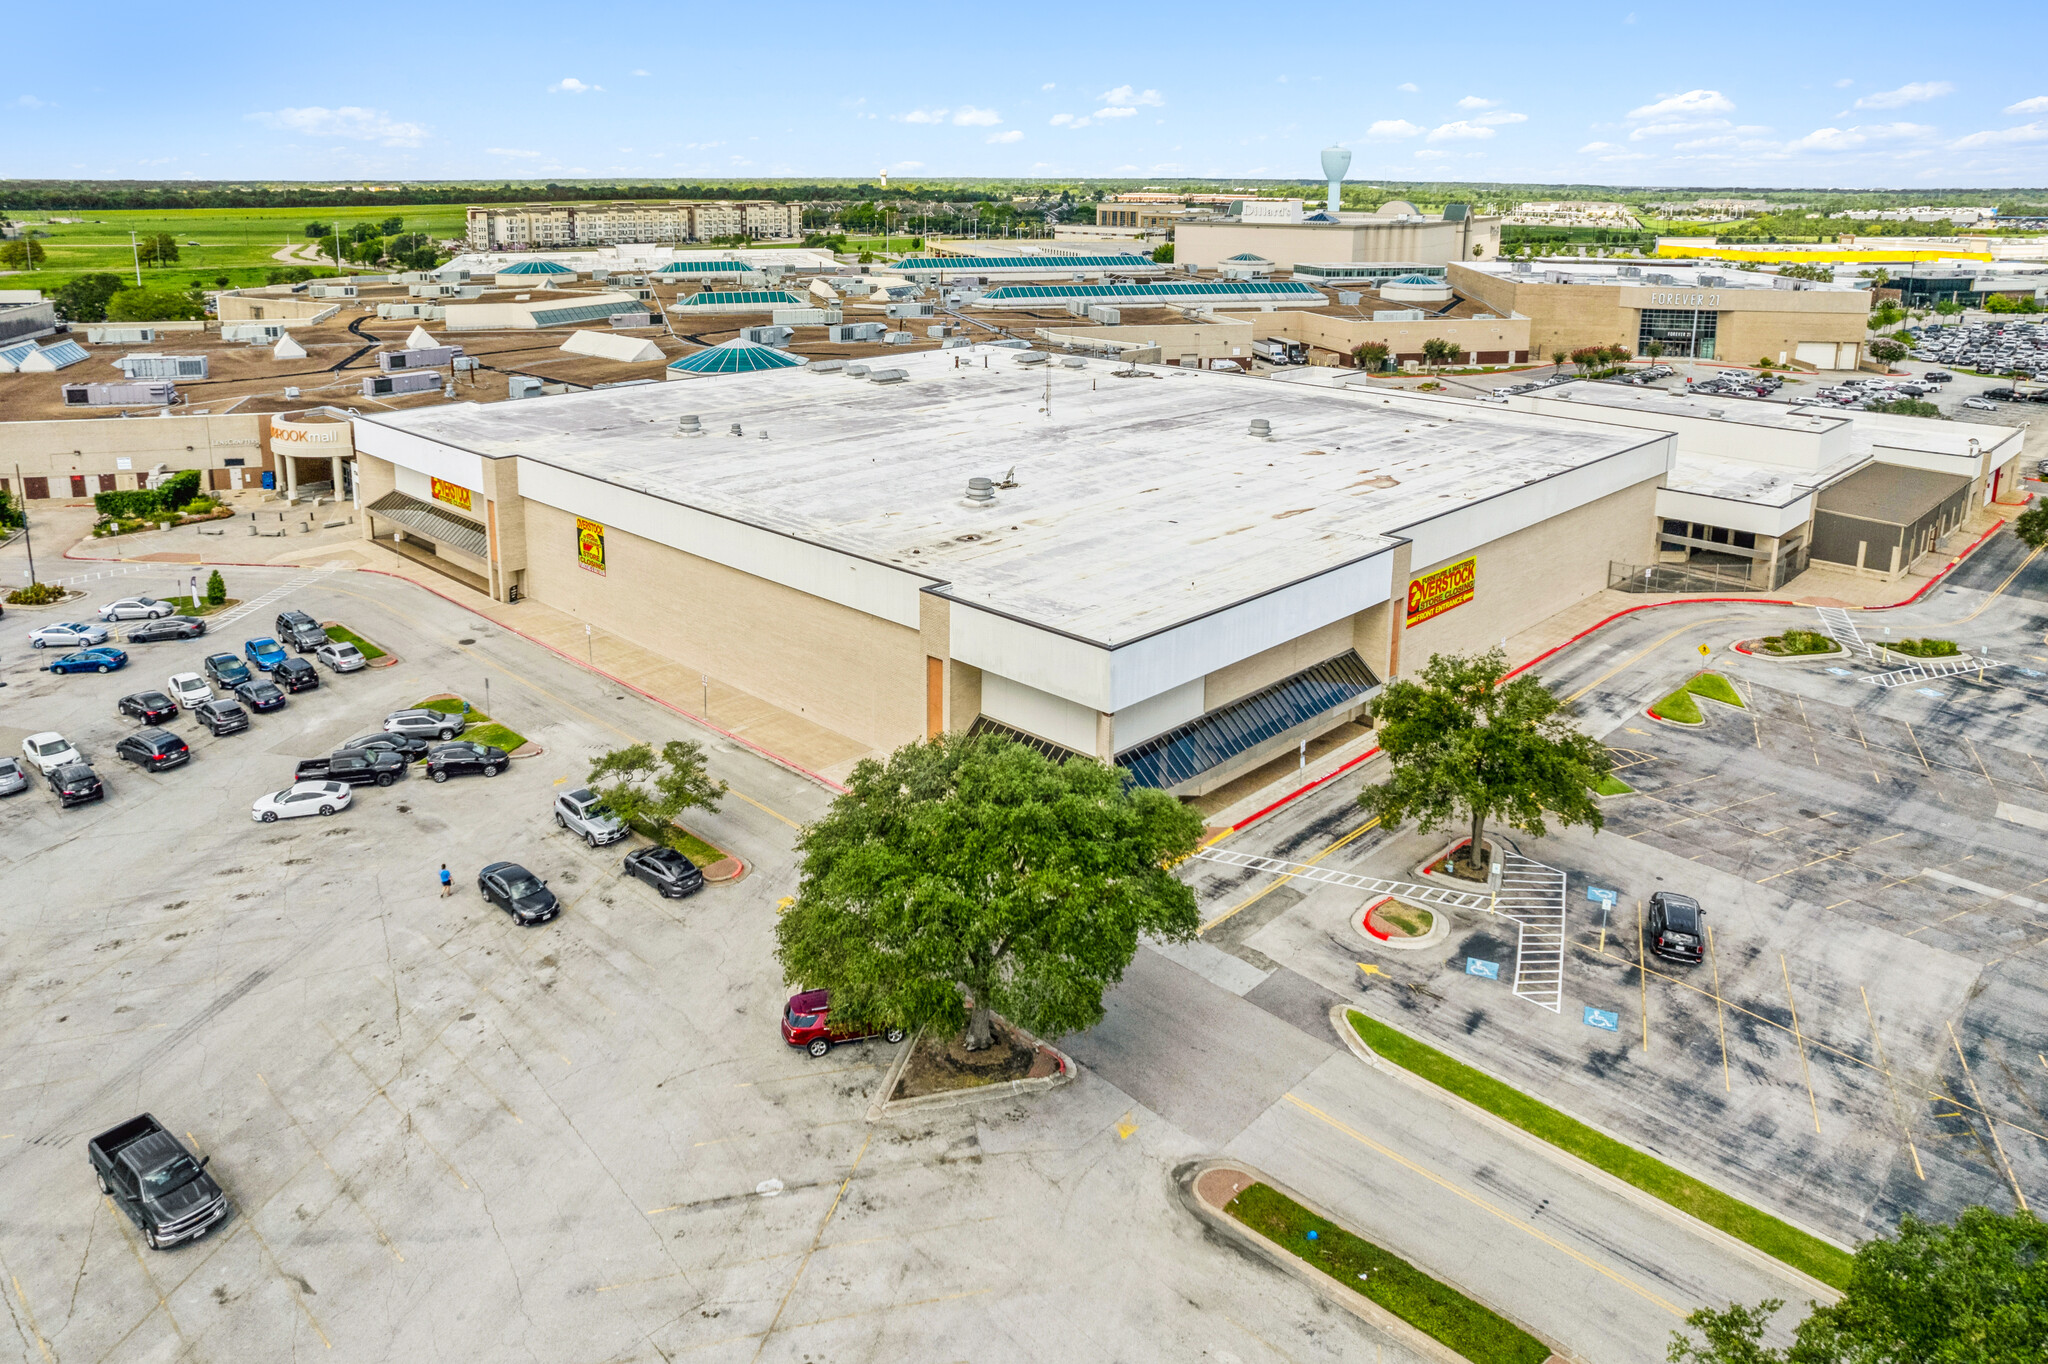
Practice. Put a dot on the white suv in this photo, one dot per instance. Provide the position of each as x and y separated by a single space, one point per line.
582 812
438 723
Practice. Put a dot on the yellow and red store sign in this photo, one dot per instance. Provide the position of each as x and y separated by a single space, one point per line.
590 545
1438 592
454 494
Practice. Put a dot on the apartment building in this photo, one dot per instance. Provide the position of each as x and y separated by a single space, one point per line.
523 227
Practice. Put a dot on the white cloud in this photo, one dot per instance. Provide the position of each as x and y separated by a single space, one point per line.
1705 125
1691 102
513 152
30 102
1407 87
1011 136
1474 102
638 72
1048 86
1850 139
1450 132
1124 94
922 116
1393 127
2037 105
1599 147
2026 132
1844 83
906 166
1913 92
1500 117
350 121
1069 121
967 116
1114 112
569 85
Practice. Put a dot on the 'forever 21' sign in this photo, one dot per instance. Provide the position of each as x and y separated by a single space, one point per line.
1685 300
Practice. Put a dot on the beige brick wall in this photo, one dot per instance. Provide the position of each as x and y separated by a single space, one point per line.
1535 573
841 668
59 448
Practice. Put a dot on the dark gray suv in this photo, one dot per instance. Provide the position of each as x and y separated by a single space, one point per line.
300 630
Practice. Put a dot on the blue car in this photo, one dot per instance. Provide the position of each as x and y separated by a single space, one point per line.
90 661
264 653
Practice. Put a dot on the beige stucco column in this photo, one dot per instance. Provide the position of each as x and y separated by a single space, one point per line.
334 472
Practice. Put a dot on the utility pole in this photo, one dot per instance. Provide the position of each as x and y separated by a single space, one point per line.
136 251
27 540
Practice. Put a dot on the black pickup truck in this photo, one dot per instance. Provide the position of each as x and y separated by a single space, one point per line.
156 1182
357 767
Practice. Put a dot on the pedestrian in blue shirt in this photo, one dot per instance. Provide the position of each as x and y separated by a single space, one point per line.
447 882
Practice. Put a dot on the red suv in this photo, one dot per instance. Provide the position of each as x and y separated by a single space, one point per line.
807 1022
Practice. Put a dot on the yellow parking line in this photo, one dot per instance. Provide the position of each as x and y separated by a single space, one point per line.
1990 1123
1631 662
1804 1073
1720 1014
1510 1218
1904 1125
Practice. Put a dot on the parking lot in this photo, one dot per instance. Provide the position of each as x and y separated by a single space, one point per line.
443 1134
1867 1035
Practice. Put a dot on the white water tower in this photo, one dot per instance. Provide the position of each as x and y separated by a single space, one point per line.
1336 160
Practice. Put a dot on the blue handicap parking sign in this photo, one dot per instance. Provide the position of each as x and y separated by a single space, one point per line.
1929 691
1476 967
1602 897
1841 672
1602 1018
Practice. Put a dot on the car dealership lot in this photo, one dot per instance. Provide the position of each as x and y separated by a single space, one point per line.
442 1133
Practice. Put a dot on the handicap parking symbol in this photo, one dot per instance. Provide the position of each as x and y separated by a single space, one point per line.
1600 896
1475 966
1841 672
1929 691
1603 1018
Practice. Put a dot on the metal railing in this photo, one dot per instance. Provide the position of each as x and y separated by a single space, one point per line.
1704 577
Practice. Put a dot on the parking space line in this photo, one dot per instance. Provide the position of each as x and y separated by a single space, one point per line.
1989 1122
21 1296
1975 758
816 1240
1642 981
1811 743
1720 1014
339 1178
1804 1073
1645 653
1898 1104
412 1128
1285 877
289 1281
1511 1219
121 1225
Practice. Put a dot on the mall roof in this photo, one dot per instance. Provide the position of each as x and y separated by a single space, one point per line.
1049 265
737 356
536 267
764 298
1139 503
706 267
1707 407
1650 275
1164 291
1764 485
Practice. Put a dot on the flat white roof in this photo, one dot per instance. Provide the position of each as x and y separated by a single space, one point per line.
1763 485
1671 403
1139 502
1679 274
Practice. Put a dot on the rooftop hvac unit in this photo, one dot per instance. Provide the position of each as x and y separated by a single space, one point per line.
1347 299
908 310
954 343
144 365
146 393
1106 316
935 333
255 333
897 338
1033 358
332 291
887 376
632 319
1721 281
466 362
120 336
523 386
422 358
849 332
767 336
1397 314
1626 271
404 381
805 317
1658 278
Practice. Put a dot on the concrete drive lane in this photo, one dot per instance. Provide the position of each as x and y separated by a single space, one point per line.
1561 1251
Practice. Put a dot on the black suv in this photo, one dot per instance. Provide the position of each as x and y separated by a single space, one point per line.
300 630
260 695
667 870
222 717
295 675
154 750
150 707
454 759
75 784
1677 928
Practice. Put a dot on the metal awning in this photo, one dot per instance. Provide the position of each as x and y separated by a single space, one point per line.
441 526
1175 758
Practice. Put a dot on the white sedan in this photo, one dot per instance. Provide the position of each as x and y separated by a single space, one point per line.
48 751
136 608
70 635
302 798
189 689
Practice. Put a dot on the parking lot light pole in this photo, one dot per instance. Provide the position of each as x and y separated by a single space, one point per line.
28 540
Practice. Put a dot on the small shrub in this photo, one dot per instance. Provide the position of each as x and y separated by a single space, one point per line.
129 504
1800 642
1925 648
216 589
179 489
35 594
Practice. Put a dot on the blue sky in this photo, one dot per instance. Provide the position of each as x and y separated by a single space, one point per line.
1889 95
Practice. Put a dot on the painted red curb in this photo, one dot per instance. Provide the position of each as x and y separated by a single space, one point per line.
1366 756
1950 567
1367 920
1646 606
749 744
1740 650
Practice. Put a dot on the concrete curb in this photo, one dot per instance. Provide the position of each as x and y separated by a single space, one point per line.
1761 657
1490 886
1821 1292
885 1107
54 605
1439 929
1187 1181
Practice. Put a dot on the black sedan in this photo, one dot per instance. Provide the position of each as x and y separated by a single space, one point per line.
167 628
154 750
461 757
75 784
410 746
295 675
518 892
667 870
222 717
260 695
150 707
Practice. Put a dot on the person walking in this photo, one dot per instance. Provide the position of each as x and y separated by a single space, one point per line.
447 882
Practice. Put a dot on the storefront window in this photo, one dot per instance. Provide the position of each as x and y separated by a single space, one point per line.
1685 333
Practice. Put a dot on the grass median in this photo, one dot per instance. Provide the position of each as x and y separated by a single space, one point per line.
1680 706
1430 1306
340 635
482 729
1769 1234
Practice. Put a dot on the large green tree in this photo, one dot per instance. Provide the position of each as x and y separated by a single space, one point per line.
1972 1293
153 305
1464 743
647 788
84 299
2031 525
968 876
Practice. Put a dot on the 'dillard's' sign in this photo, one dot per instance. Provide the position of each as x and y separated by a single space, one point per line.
1438 592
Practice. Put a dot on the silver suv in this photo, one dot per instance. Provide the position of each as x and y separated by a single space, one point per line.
422 723
582 812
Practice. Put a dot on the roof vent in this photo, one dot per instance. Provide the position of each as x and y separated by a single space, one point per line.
691 425
825 366
1032 358
1262 428
1717 413
888 376
1074 362
981 489
857 371
736 429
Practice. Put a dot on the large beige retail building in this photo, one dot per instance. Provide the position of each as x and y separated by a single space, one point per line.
1700 313
1181 571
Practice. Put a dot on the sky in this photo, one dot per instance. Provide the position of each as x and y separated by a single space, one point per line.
1886 95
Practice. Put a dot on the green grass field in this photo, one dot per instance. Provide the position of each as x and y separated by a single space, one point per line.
238 243
1768 1234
